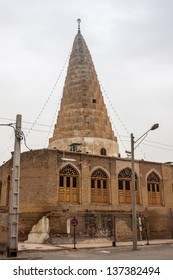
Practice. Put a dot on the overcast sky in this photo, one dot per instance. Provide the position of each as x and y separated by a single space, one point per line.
131 43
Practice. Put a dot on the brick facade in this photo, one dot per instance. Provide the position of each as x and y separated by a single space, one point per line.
40 195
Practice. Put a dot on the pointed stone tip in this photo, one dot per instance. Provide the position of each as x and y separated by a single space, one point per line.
79 21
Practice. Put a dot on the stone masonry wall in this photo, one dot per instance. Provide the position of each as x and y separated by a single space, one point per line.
39 195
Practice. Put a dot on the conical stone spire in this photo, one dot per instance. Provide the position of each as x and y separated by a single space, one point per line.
83 123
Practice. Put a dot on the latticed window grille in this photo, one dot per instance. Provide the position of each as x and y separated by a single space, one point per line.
68 170
153 177
99 173
126 173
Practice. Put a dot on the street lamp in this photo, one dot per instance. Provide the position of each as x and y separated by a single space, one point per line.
134 221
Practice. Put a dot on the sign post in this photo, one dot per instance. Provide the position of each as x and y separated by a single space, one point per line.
74 223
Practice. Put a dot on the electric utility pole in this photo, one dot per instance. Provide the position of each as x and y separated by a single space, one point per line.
14 191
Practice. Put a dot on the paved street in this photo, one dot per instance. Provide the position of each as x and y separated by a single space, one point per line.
147 252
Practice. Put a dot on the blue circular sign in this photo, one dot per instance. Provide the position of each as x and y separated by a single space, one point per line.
74 222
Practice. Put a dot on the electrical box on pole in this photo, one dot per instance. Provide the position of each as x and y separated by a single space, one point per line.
14 192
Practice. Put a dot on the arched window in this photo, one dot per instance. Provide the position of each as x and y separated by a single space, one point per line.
68 184
103 152
153 188
125 186
99 186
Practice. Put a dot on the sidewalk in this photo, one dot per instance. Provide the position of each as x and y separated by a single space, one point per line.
86 245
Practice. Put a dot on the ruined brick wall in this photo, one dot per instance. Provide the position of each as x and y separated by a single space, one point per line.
160 223
92 225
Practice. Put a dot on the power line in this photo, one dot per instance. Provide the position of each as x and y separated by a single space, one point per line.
27 122
51 126
35 122
120 120
53 119
116 116
159 143
158 147
50 95
154 146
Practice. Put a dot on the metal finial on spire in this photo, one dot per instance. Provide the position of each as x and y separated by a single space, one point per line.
79 21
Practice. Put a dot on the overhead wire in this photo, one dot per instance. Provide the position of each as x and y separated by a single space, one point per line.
39 115
127 131
122 136
116 130
26 122
120 120
53 120
50 95
24 138
166 149
154 146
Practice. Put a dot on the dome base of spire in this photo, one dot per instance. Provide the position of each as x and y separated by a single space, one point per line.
90 145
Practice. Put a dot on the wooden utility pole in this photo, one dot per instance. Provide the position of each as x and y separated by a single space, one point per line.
14 193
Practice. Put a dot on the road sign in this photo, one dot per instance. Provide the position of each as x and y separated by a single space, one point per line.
74 222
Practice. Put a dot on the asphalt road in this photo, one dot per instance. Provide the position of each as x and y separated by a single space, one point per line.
150 252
